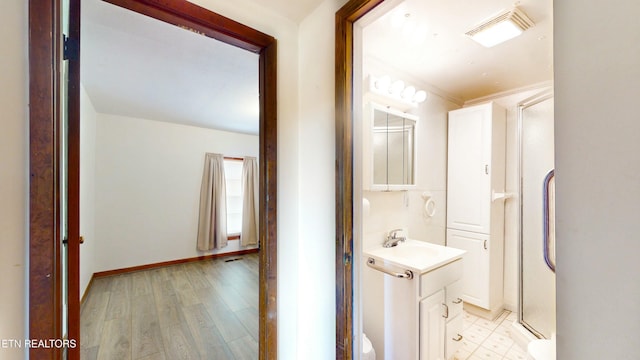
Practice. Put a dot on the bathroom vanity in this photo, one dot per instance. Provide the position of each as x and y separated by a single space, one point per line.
422 305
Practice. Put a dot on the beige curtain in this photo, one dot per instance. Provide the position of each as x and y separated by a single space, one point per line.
212 222
249 235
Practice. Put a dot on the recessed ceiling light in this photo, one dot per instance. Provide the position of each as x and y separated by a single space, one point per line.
500 28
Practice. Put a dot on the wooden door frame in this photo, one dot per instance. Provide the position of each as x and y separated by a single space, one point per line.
45 308
345 19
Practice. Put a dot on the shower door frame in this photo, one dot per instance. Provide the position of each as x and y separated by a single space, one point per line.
531 101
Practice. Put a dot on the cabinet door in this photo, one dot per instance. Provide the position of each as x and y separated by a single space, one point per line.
469 169
432 327
475 282
453 336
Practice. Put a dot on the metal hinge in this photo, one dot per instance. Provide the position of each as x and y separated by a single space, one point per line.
71 48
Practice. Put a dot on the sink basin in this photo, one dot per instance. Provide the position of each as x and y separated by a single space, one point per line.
410 251
417 256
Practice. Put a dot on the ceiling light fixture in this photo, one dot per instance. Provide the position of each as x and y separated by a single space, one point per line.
505 26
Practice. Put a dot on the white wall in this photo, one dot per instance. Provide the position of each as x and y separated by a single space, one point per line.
316 251
13 173
88 118
597 82
147 188
432 170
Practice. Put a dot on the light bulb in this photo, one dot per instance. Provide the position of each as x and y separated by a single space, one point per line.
420 96
408 93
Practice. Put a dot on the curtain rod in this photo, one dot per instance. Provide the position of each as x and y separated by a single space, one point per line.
233 158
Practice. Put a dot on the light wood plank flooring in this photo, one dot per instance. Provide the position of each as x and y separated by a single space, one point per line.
199 310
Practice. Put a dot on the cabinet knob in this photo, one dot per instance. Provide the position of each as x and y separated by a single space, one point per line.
446 311
457 301
457 338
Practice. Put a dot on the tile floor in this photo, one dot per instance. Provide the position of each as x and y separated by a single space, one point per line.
488 340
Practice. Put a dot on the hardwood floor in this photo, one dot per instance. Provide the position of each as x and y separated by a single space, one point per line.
199 310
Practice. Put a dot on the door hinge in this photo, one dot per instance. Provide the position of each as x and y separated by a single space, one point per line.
71 48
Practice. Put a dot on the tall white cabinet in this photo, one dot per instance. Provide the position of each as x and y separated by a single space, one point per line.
475 200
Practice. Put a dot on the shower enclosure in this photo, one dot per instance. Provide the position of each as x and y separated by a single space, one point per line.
537 284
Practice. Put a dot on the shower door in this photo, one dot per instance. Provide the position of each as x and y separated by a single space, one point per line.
537 308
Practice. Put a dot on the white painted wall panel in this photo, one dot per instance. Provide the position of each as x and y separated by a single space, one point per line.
148 177
88 118
14 183
316 163
597 82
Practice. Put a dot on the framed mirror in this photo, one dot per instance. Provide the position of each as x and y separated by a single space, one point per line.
392 148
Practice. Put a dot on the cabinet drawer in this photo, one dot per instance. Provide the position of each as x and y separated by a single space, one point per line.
434 279
453 336
454 298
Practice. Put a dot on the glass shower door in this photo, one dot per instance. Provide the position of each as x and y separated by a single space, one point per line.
537 256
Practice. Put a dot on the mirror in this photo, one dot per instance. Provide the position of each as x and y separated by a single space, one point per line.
393 149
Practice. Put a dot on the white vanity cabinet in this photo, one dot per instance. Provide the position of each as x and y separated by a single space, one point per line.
475 199
415 301
440 312
454 318
432 326
441 318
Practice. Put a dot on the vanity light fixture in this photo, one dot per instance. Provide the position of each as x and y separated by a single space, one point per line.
500 28
396 88
395 91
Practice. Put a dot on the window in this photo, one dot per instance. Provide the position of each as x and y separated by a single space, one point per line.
233 182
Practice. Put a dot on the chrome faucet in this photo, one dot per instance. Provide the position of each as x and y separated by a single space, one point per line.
393 239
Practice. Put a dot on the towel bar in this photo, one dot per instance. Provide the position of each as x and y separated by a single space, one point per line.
408 274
